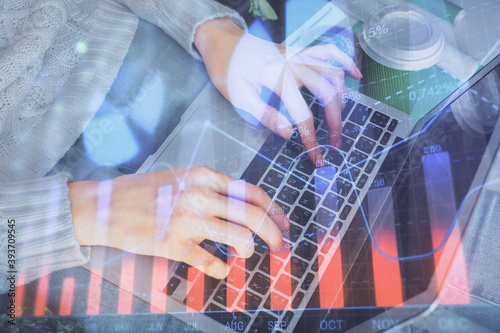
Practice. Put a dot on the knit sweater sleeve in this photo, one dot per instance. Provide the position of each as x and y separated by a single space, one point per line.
180 19
36 229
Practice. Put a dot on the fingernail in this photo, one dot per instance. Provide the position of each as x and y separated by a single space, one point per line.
284 129
359 73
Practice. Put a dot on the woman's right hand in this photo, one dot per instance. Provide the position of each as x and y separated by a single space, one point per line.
168 213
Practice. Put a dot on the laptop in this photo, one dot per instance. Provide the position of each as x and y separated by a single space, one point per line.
269 291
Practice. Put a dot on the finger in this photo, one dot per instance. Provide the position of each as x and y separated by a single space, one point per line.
250 216
330 97
333 112
324 88
205 262
331 73
302 116
330 51
240 238
256 196
270 117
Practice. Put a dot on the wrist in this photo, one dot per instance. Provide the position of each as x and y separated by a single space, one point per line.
83 208
210 34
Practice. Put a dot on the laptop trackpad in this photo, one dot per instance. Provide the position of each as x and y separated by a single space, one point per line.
211 138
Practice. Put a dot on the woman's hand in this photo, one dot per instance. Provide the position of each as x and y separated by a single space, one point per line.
168 213
240 65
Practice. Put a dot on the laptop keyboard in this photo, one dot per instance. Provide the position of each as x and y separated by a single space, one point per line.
319 202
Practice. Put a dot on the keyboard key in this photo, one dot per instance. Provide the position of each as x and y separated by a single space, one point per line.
234 278
385 138
283 252
223 294
259 244
373 132
380 119
260 283
259 165
350 172
318 110
324 217
357 158
293 233
365 145
297 180
307 281
172 284
309 200
370 166
199 293
333 201
334 158
250 263
284 207
348 106
345 212
282 163
322 137
342 187
186 272
327 246
305 165
297 300
360 114
316 263
351 130
324 126
221 252
276 302
378 152
392 125
315 233
270 191
316 123
285 321
300 215
353 197
249 301
293 149
327 172
286 285
307 95
336 228
288 195
305 249
276 265
274 178
265 266
346 143
318 185
362 181
298 267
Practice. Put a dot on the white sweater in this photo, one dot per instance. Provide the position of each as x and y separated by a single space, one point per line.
58 60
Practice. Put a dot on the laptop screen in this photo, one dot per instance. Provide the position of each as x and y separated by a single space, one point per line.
394 259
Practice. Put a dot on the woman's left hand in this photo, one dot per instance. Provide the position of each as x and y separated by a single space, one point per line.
240 65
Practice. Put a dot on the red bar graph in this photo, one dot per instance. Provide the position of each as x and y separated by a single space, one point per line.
41 296
386 271
126 283
66 302
331 290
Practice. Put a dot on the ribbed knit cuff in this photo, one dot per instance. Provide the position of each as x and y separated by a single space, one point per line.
45 239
